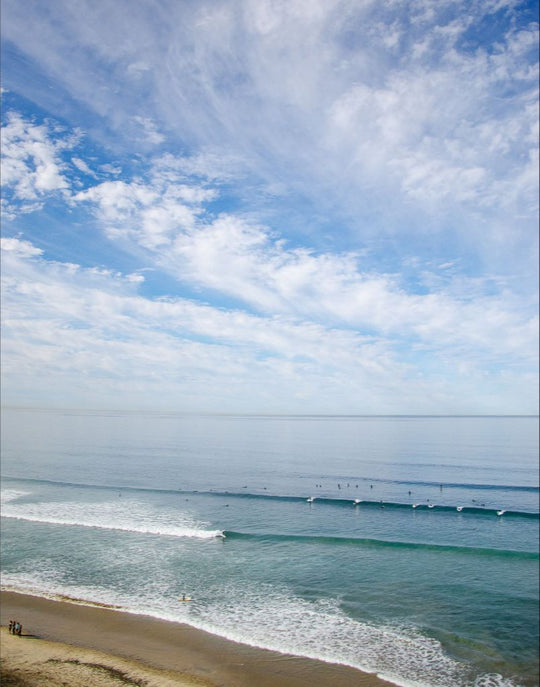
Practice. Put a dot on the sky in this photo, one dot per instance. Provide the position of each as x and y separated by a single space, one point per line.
270 206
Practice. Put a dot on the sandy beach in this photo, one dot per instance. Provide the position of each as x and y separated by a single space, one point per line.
70 644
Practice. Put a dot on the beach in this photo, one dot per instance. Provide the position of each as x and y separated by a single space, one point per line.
71 644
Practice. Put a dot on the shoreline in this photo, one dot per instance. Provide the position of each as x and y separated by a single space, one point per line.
59 634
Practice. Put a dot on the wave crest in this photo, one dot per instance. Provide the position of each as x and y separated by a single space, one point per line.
130 516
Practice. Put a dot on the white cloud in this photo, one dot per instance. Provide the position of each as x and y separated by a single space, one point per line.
82 166
31 164
137 69
20 247
135 277
441 140
112 170
231 255
149 130
149 213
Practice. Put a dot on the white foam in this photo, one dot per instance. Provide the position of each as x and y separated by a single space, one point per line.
127 516
320 630
493 680
45 586
7 495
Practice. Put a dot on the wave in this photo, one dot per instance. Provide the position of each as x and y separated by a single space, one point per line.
361 503
327 500
12 495
129 517
107 517
376 543
161 531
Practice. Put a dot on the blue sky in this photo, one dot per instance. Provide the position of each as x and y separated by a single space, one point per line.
322 206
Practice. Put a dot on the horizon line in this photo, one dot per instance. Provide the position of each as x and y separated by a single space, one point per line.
154 411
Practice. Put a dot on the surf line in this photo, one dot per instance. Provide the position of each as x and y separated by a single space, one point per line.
471 510
360 502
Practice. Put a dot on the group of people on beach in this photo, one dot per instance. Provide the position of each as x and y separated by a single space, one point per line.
15 628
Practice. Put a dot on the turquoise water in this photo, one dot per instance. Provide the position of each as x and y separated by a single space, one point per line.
135 510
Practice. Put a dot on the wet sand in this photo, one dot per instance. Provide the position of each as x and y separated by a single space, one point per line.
70 644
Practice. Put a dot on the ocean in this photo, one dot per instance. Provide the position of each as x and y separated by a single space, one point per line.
402 546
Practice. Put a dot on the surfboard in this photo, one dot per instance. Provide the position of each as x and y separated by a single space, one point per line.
185 598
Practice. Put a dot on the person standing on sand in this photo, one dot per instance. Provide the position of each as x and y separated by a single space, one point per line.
19 629
11 627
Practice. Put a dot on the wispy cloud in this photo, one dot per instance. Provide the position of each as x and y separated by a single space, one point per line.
257 268
65 323
412 99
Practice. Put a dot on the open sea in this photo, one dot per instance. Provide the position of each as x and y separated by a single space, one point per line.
403 546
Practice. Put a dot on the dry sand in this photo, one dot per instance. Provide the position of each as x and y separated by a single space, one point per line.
28 661
70 645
